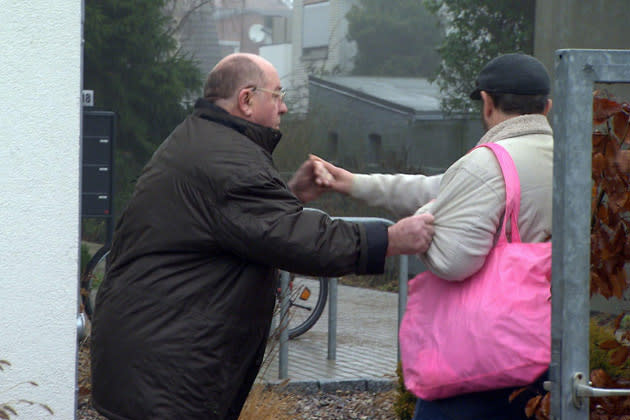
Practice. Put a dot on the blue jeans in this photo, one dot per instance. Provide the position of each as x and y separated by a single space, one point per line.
488 405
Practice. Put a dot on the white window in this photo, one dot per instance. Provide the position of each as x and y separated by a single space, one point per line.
316 28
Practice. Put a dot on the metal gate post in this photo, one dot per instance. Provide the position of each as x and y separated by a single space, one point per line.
332 318
575 71
403 278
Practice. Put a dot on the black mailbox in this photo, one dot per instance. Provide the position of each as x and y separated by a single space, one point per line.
97 163
97 149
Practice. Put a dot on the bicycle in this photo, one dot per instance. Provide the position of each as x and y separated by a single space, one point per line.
307 299
91 278
307 295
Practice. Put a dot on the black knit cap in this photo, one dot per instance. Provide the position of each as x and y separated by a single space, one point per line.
519 74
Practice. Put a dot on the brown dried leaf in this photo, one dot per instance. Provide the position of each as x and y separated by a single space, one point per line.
598 285
619 356
625 406
612 148
620 126
617 201
516 393
599 141
618 283
604 108
600 378
614 218
544 411
598 165
602 214
605 252
609 345
532 405
623 162
609 183
596 244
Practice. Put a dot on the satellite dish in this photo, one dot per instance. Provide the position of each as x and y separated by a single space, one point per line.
257 33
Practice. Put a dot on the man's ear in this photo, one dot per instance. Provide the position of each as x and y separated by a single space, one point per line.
547 107
244 102
488 104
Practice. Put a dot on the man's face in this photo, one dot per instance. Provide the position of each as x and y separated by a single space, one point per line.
267 103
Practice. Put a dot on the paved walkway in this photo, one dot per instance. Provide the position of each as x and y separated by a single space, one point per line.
367 325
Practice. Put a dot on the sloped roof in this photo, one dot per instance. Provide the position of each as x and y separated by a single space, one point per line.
410 94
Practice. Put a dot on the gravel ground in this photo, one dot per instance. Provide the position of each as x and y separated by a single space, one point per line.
338 406
345 405
264 405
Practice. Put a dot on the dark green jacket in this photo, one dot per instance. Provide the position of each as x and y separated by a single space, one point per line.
183 315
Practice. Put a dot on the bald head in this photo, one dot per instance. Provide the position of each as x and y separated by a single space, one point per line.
232 73
247 86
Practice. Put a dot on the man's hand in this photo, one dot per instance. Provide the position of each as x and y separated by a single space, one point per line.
411 235
331 177
303 183
316 176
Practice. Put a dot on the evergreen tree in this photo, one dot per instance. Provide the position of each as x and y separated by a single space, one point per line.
132 63
397 38
477 31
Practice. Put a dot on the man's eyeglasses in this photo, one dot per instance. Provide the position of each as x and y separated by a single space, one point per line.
275 93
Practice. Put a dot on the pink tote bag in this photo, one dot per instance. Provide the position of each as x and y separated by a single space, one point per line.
490 331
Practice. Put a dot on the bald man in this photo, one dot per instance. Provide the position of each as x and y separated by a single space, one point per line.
182 317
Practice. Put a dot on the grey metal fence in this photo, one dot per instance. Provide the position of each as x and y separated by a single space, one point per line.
403 275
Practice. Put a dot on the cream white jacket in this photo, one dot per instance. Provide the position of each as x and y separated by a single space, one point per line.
469 198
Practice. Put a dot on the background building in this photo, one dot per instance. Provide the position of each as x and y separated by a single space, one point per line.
319 43
246 25
383 124
196 32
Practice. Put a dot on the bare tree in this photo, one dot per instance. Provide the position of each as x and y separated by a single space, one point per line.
181 10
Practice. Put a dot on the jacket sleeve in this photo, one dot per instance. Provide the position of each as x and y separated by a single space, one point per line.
401 194
259 219
467 210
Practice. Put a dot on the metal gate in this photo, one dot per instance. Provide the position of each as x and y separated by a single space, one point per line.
576 71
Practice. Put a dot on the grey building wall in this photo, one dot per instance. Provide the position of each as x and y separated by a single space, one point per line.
376 136
198 39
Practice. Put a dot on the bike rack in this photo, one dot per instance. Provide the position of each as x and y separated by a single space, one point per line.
403 274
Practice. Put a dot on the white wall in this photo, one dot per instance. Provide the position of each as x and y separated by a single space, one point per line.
280 56
40 83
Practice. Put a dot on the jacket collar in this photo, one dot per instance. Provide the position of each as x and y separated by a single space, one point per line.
265 137
521 125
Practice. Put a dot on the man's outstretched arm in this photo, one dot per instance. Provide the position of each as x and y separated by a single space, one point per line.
401 194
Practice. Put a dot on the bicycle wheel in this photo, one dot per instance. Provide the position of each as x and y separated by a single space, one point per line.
91 279
307 300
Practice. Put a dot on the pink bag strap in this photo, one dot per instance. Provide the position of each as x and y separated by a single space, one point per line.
512 190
